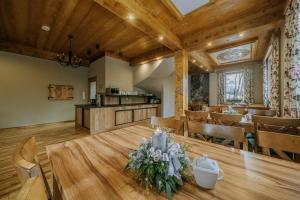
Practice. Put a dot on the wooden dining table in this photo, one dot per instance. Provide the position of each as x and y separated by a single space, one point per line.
93 168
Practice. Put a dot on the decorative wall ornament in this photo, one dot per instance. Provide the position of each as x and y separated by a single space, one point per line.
60 92
292 60
234 54
200 87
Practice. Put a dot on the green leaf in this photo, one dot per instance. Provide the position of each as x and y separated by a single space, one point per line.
168 191
172 183
179 181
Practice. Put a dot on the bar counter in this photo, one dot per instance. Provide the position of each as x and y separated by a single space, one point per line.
101 118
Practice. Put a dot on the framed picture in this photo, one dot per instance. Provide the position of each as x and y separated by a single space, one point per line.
60 92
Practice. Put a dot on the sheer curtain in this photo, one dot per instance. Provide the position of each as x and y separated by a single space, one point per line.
292 60
265 84
221 87
248 86
275 80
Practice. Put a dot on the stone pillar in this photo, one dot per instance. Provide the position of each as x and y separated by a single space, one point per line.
181 83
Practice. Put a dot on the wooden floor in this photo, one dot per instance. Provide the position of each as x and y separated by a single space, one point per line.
45 135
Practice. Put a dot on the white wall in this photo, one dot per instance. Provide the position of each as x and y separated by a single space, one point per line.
97 68
112 72
24 90
118 74
168 97
213 85
143 71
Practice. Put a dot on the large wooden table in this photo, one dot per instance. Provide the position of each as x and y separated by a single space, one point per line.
92 168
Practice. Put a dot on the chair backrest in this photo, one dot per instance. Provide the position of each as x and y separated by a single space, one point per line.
33 189
270 113
214 109
226 119
196 105
240 110
24 159
170 123
257 106
276 124
229 133
26 163
278 142
199 116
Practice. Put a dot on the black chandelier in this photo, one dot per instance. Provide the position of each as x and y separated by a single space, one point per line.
69 59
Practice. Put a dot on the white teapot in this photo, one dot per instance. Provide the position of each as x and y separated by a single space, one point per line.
206 172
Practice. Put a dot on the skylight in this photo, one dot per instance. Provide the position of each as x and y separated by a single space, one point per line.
187 6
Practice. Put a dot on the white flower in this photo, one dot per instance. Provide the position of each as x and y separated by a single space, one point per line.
152 149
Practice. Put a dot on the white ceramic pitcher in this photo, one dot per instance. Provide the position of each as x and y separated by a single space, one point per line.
206 172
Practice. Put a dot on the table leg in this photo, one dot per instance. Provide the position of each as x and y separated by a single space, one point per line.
56 191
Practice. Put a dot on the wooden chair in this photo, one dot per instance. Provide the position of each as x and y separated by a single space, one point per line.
214 109
240 110
276 124
257 106
278 142
228 133
26 162
270 113
33 189
169 123
199 116
226 119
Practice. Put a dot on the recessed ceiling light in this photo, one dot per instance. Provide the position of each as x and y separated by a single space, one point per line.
209 44
45 28
161 38
130 17
193 61
241 34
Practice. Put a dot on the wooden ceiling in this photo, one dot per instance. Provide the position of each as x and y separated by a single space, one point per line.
152 31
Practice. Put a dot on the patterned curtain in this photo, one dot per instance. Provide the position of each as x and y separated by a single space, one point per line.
292 60
248 86
265 83
275 79
221 84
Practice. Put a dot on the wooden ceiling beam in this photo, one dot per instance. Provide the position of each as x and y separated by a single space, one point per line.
156 54
31 51
259 22
203 60
142 20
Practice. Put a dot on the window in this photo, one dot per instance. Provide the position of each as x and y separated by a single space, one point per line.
234 87
92 88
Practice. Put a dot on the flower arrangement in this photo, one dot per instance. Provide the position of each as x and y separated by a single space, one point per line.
160 162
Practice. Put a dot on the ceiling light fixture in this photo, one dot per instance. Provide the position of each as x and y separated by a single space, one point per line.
209 44
193 61
161 38
241 34
45 28
69 59
130 17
